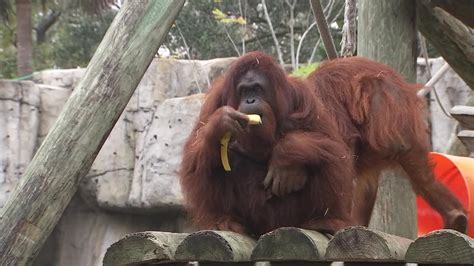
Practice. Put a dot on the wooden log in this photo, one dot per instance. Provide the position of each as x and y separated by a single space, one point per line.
387 34
361 244
467 137
143 247
291 244
442 246
89 115
461 9
451 38
215 246
464 114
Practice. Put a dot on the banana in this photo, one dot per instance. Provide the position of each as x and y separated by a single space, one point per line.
253 120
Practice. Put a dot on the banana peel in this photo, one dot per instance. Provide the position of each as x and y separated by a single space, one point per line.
253 120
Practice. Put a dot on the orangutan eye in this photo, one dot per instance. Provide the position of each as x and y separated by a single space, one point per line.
257 88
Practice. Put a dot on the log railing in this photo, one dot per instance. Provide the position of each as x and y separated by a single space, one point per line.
291 246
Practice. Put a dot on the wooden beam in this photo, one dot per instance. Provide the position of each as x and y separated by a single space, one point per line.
291 244
442 246
467 137
71 146
449 36
464 114
461 9
143 247
361 244
215 246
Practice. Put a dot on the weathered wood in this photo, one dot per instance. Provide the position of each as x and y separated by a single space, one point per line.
227 264
461 9
300 263
72 144
464 114
442 246
449 36
387 33
215 246
291 244
143 247
323 28
362 244
467 137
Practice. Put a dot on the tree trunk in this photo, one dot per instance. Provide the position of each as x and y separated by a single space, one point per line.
24 39
387 33
72 144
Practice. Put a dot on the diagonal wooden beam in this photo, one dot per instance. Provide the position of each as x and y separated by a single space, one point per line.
71 146
450 36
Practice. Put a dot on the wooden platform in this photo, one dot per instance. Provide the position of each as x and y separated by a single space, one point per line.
291 246
465 116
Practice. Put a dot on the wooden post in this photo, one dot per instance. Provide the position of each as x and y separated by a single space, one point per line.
387 33
215 246
291 244
71 146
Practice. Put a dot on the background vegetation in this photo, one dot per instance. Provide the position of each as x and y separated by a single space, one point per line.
65 33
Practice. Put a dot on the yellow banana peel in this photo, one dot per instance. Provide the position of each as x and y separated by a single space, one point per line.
253 120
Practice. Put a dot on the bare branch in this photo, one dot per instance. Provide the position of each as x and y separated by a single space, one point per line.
301 43
291 24
184 40
277 44
232 41
313 53
243 13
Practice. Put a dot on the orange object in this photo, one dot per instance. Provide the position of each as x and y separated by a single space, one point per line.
457 173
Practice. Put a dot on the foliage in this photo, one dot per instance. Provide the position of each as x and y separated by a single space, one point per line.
70 42
226 19
76 40
204 29
228 28
304 70
7 63
64 43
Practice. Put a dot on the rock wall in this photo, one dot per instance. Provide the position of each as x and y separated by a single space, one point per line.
132 185
19 125
134 175
122 176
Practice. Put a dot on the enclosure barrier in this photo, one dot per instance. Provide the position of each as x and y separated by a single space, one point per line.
465 116
291 246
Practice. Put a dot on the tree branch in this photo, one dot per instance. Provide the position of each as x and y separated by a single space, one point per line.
275 40
45 24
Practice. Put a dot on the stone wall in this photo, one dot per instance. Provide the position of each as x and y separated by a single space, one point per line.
452 91
132 185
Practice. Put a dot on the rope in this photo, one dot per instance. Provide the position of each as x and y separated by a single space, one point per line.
432 79
29 76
